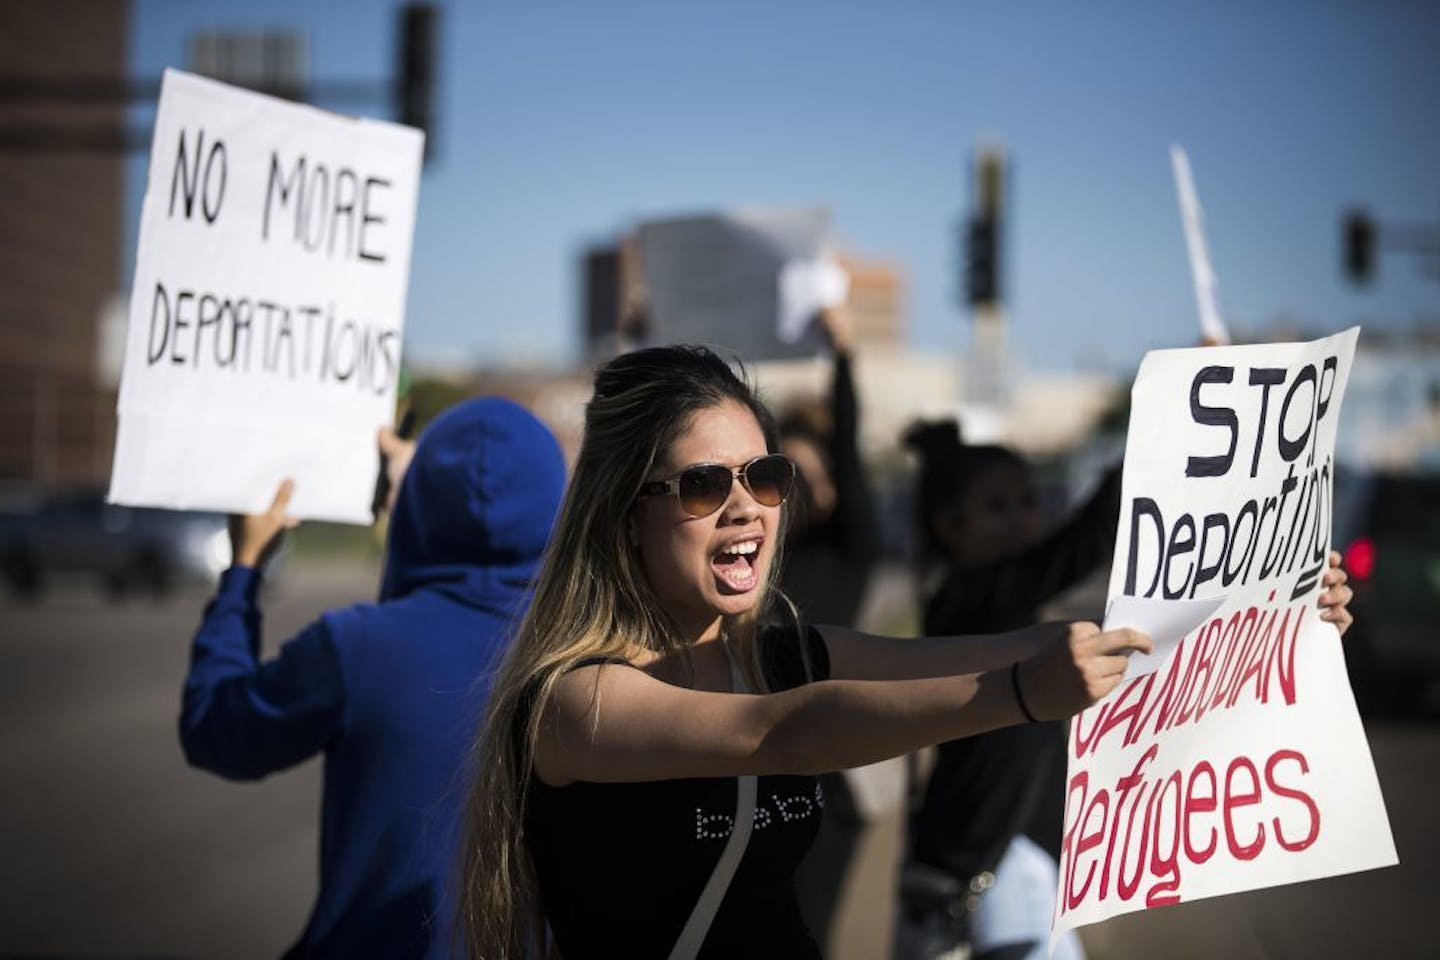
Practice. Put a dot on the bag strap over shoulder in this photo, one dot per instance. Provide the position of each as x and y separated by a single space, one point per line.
693 935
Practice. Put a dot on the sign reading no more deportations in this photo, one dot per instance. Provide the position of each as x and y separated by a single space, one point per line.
268 305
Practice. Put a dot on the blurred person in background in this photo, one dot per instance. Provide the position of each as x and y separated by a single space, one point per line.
984 841
985 834
831 542
387 691
830 550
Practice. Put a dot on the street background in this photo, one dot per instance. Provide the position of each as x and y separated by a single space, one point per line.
998 187
112 847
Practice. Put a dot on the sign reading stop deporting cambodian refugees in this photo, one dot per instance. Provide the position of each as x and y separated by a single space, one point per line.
1240 762
269 299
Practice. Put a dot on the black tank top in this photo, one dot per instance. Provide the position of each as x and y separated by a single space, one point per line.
621 865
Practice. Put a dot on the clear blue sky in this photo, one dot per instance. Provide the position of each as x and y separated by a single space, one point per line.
561 122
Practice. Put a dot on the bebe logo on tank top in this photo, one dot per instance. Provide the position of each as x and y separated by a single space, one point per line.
774 808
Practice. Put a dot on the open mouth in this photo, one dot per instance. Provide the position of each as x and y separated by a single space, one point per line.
734 565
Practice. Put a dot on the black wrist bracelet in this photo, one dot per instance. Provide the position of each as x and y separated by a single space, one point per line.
1020 697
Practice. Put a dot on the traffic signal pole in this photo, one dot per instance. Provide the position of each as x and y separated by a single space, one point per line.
988 380
410 90
1363 238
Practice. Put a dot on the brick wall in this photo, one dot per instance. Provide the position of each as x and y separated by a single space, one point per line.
60 221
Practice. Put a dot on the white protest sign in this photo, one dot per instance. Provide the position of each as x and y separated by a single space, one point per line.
269 299
1241 762
806 288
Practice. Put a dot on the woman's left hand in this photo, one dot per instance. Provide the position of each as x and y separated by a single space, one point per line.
1335 598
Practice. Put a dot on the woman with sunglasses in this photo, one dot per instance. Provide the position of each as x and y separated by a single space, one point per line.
657 680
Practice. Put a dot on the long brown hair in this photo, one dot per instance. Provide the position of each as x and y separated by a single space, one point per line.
591 599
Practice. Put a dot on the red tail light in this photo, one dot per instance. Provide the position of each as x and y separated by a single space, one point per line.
1360 558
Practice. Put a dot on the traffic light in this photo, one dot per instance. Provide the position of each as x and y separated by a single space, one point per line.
415 73
982 268
1358 240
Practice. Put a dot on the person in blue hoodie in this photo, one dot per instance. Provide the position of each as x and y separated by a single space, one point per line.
387 691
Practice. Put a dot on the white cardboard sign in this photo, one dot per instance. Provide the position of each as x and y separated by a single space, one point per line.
266 315
1240 762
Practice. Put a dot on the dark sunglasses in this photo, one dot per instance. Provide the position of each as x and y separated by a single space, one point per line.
705 487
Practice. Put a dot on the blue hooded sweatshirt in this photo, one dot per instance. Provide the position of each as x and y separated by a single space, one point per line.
388 691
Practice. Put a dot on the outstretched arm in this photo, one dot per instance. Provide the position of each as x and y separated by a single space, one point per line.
856 655
617 723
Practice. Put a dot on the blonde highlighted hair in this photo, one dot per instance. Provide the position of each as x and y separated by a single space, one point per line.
591 599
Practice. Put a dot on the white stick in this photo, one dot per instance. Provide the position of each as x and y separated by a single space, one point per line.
1212 325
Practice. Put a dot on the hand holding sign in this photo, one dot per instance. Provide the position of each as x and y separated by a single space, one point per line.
1076 670
1334 602
808 289
396 452
834 324
254 537
1167 622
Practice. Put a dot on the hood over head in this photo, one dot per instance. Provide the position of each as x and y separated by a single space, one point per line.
476 506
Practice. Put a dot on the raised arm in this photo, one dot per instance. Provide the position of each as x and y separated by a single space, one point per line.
239 717
616 723
856 520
